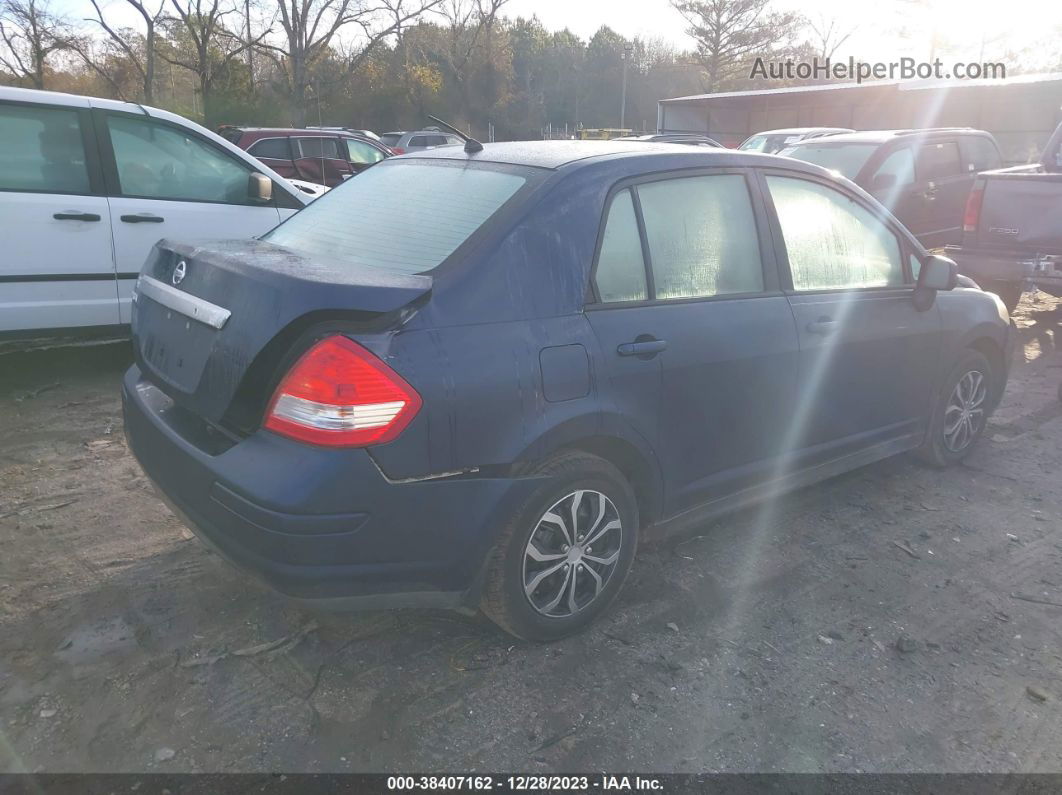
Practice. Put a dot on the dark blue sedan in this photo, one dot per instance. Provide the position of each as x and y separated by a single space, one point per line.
485 398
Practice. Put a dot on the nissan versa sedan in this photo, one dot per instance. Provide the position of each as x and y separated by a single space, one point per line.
489 405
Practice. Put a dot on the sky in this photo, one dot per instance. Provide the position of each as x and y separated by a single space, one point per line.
877 26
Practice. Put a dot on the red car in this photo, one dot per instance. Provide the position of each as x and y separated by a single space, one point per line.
326 157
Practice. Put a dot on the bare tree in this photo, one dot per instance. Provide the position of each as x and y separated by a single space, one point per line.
213 46
730 32
30 33
143 63
312 27
830 34
469 23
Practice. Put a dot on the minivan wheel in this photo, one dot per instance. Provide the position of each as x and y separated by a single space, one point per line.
962 411
564 556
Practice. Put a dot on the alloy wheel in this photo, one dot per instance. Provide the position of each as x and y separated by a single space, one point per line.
572 553
964 416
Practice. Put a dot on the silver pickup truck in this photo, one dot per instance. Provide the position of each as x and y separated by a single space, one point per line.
1012 228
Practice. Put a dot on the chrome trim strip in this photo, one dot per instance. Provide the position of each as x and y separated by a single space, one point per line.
179 301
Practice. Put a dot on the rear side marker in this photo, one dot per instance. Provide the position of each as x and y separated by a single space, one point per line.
338 394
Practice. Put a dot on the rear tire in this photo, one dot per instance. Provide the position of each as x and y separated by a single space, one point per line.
545 579
962 410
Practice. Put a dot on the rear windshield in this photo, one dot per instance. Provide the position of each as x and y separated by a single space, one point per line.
769 144
390 138
846 159
400 216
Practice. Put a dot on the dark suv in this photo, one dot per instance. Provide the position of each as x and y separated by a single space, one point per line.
923 176
326 157
379 403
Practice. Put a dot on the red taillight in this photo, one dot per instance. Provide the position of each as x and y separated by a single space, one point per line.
340 395
972 216
398 150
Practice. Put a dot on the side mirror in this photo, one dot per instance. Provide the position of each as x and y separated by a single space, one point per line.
883 181
937 273
260 188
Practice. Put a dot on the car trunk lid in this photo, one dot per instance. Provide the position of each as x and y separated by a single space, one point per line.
203 313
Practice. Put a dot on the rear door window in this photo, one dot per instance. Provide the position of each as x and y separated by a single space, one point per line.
419 140
620 265
702 237
274 148
937 160
832 241
371 221
42 151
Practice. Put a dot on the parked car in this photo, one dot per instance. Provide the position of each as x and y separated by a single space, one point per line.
326 157
1011 238
689 139
418 141
488 406
922 176
86 188
772 141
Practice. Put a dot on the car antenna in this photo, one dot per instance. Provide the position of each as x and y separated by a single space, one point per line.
471 144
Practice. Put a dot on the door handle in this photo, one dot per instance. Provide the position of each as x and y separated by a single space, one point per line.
823 325
74 215
143 218
643 348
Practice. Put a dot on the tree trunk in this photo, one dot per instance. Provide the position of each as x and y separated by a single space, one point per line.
149 65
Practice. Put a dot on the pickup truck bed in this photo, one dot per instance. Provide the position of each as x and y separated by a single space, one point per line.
1012 230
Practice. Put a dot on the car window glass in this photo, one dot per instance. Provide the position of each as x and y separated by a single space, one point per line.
702 236
276 148
158 161
937 160
42 151
391 139
620 266
832 241
979 153
319 147
899 165
453 140
366 221
361 152
916 266
418 140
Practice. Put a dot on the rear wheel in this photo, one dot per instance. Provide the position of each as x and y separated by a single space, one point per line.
562 559
961 414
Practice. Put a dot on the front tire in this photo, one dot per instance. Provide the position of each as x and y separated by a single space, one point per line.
961 414
564 556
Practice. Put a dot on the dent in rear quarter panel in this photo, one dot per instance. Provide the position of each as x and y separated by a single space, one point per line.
484 403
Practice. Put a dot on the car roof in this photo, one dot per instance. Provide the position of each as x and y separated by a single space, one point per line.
262 132
800 130
884 136
573 154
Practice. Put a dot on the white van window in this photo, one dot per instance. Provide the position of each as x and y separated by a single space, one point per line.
42 151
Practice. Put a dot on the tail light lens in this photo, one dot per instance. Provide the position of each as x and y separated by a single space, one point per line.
398 150
338 394
972 216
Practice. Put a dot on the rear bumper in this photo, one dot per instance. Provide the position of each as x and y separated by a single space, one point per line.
320 524
987 266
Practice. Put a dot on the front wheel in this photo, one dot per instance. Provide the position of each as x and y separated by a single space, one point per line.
562 559
961 414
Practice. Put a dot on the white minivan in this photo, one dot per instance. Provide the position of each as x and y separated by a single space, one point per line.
88 185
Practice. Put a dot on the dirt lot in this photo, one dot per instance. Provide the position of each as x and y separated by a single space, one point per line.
765 641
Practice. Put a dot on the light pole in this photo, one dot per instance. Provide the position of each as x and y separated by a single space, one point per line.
628 49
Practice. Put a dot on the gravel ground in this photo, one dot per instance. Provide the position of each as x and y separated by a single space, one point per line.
897 618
